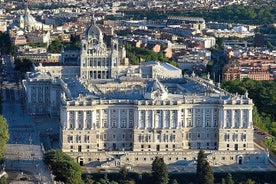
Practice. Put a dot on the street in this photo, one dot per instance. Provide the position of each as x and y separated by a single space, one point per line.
23 154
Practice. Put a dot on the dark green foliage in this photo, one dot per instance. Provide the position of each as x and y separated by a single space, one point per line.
23 65
228 179
124 176
149 14
5 43
88 179
4 135
136 55
159 171
63 167
56 45
203 170
264 97
188 178
38 44
231 14
249 181
174 182
3 180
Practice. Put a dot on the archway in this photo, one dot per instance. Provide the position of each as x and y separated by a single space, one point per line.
240 159
80 160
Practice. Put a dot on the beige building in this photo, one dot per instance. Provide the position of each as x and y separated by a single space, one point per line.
113 115
38 36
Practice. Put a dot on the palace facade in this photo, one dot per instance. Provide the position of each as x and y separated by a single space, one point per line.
112 115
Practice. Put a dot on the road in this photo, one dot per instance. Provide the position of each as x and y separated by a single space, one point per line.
216 73
23 154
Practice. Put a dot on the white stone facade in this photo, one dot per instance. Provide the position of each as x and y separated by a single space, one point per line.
113 117
98 62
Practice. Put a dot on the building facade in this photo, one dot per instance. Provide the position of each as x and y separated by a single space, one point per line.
98 62
113 115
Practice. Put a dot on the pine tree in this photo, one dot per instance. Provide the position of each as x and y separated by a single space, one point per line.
249 181
123 175
203 170
159 171
229 179
174 181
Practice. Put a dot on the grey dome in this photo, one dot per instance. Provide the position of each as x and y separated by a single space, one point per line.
94 31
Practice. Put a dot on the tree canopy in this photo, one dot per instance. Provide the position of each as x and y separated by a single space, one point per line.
204 171
5 42
23 65
231 14
159 171
4 134
136 55
56 45
63 167
228 179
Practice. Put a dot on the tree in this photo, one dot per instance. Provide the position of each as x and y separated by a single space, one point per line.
88 179
23 65
3 180
105 180
63 167
249 181
123 175
228 179
159 171
55 46
204 171
174 181
4 135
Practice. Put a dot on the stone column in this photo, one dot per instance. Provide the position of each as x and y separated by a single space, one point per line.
178 120
212 118
153 119
164 123
185 118
109 118
119 118
169 118
84 120
127 118
144 118
241 115
67 119
222 118
76 120
250 121
232 124
139 119
136 118
203 117
194 123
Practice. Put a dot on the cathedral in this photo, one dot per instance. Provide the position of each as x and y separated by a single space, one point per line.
25 21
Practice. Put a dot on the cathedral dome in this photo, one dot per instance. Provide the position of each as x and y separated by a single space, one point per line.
28 18
94 31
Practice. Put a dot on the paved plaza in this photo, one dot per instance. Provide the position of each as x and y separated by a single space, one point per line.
24 152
